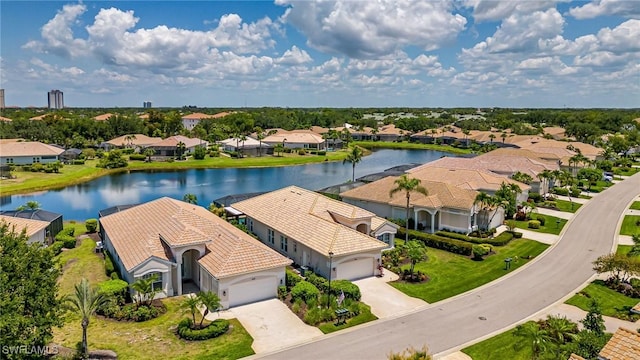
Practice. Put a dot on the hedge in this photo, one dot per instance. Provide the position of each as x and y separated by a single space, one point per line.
113 288
304 290
140 157
351 290
500 240
291 278
318 281
108 264
91 225
56 247
68 242
438 242
215 329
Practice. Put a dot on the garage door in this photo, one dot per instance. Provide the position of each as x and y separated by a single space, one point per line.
252 291
355 269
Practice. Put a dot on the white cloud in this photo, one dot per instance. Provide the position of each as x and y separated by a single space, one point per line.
596 8
492 10
58 36
370 29
623 38
294 56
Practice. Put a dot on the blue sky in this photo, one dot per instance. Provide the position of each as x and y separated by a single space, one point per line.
343 53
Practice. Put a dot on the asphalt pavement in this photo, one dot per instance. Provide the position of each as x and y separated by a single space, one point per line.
450 324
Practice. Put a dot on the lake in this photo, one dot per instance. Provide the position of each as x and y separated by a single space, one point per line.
83 201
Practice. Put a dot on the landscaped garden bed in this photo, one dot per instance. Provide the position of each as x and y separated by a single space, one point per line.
611 302
541 223
314 303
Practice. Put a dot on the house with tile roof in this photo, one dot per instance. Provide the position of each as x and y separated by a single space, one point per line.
28 152
185 245
103 117
296 139
55 222
169 146
623 345
190 121
446 206
248 146
316 231
36 230
130 140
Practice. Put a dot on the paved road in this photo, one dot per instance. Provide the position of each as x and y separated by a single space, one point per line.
451 323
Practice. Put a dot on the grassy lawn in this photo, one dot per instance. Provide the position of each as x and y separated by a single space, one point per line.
625 171
623 249
629 226
364 316
74 174
635 205
411 146
550 225
566 206
585 197
611 302
145 340
451 274
500 346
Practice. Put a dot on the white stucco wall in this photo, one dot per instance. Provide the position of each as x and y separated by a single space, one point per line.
38 237
28 160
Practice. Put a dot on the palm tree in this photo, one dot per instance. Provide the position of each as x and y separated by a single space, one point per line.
260 135
484 200
560 329
354 157
190 198
129 139
415 252
503 136
537 338
30 205
374 132
278 149
145 290
190 305
210 301
408 185
346 136
149 152
180 149
635 250
85 301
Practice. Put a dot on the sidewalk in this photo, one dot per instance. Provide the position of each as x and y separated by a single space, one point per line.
532 235
556 213
576 200
575 314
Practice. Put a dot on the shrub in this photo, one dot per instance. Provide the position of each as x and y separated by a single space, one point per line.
534 224
318 281
91 225
575 192
114 276
78 162
199 152
322 152
214 153
139 157
304 290
288 150
115 289
26 167
56 247
480 250
282 292
541 219
520 216
313 316
37 167
291 278
215 329
438 242
511 224
560 191
351 290
302 152
535 197
68 242
499 240
517 235
108 264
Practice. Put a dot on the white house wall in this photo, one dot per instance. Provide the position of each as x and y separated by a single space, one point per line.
38 237
28 160
153 265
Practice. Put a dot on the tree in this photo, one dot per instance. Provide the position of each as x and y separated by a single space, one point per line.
29 306
113 160
199 152
190 198
408 185
210 301
416 253
85 301
522 177
278 149
29 205
567 181
593 320
145 291
635 250
180 150
507 195
354 157
537 338
190 305
148 152
486 202
590 174
619 267
560 329
346 136
491 137
503 136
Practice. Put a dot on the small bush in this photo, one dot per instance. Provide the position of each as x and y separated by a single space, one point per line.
37 167
351 290
91 225
56 247
214 153
575 192
78 162
517 235
26 167
215 329
535 197
541 219
322 153
481 250
318 281
114 276
534 224
304 290
108 264
560 191
114 288
282 292
313 316
438 242
291 278
520 216
68 242
138 157
302 152
288 150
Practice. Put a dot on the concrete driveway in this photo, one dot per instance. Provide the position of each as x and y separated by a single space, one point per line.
385 300
273 326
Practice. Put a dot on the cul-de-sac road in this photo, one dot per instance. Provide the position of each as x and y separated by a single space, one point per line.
483 311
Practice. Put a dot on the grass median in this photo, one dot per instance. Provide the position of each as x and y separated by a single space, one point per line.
611 302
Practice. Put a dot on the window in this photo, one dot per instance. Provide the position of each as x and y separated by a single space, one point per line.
9 160
284 246
295 246
157 285
384 238
36 160
250 224
271 236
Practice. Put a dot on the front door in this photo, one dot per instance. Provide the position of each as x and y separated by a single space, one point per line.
305 258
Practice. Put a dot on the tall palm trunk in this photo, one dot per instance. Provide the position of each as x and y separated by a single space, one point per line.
85 325
406 235
353 172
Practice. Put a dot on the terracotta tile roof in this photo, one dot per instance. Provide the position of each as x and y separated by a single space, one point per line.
146 230
479 180
531 154
391 130
295 137
28 148
623 345
249 143
18 224
138 140
103 117
576 357
173 141
439 194
200 116
2 118
557 147
308 217
319 130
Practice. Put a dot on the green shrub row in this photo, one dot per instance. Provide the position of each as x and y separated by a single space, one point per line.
304 290
56 247
438 242
500 240
114 289
68 242
350 290
78 162
215 329
140 157
291 278
109 268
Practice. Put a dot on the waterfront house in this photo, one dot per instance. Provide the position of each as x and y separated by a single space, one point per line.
36 230
296 139
28 152
189 248
54 220
130 141
333 238
248 146
190 121
169 146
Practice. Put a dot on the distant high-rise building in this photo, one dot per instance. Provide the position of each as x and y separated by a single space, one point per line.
2 99
56 99
146 104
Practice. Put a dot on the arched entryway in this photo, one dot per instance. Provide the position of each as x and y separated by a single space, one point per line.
190 271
